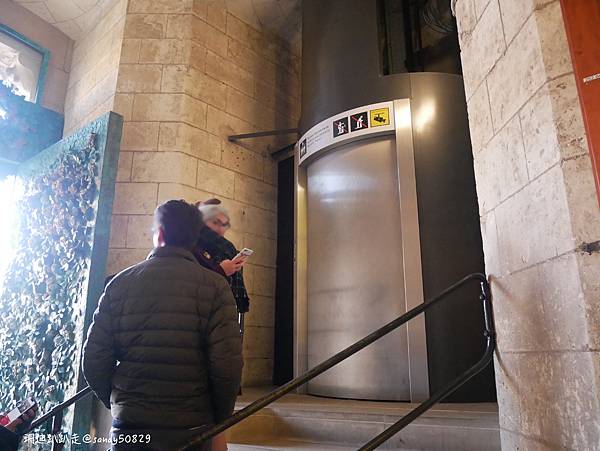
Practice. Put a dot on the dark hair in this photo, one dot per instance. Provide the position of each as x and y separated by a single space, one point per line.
181 223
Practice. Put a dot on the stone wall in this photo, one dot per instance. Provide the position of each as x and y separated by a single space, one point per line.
190 74
44 34
538 211
94 70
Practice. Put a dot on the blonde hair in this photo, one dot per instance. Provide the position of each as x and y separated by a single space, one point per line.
211 211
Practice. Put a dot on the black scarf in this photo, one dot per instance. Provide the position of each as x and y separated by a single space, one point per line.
220 249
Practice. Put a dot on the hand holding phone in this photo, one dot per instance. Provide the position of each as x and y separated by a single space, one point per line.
23 413
244 253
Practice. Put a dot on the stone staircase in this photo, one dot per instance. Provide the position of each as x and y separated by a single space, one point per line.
302 423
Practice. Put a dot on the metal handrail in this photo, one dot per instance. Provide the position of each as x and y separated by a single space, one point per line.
57 410
254 407
490 336
489 333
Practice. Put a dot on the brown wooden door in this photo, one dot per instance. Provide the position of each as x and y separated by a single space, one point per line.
582 22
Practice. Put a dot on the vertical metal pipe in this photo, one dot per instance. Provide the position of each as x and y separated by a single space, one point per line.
57 444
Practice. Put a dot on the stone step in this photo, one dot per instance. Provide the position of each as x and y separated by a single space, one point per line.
307 422
288 445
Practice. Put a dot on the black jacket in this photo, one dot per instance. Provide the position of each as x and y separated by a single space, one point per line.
8 440
217 248
172 326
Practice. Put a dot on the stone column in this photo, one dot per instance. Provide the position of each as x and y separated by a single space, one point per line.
190 74
94 68
538 212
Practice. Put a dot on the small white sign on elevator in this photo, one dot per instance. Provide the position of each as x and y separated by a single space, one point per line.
377 118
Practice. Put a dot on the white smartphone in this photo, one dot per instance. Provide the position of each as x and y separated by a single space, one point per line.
244 253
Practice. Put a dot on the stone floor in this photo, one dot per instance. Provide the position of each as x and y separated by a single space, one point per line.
303 422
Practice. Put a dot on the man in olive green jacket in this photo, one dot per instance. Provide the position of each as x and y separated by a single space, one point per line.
164 351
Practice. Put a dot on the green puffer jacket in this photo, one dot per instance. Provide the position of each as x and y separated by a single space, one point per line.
172 327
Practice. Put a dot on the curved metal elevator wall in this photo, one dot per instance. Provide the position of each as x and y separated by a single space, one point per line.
350 292
341 71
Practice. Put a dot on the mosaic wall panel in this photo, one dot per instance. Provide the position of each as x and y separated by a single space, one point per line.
55 277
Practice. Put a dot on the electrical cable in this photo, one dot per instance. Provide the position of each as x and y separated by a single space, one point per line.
434 19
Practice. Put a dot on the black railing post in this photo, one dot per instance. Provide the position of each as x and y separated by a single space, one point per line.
57 440
488 312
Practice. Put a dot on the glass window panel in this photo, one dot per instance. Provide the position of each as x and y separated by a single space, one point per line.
20 66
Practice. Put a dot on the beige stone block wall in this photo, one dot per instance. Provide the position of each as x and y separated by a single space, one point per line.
190 74
94 70
59 44
538 210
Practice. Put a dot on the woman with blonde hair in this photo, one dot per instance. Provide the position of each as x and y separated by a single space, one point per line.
214 247
216 252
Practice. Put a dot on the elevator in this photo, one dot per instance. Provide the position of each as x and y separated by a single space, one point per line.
386 216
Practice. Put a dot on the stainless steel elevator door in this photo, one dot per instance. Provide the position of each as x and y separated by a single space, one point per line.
355 270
